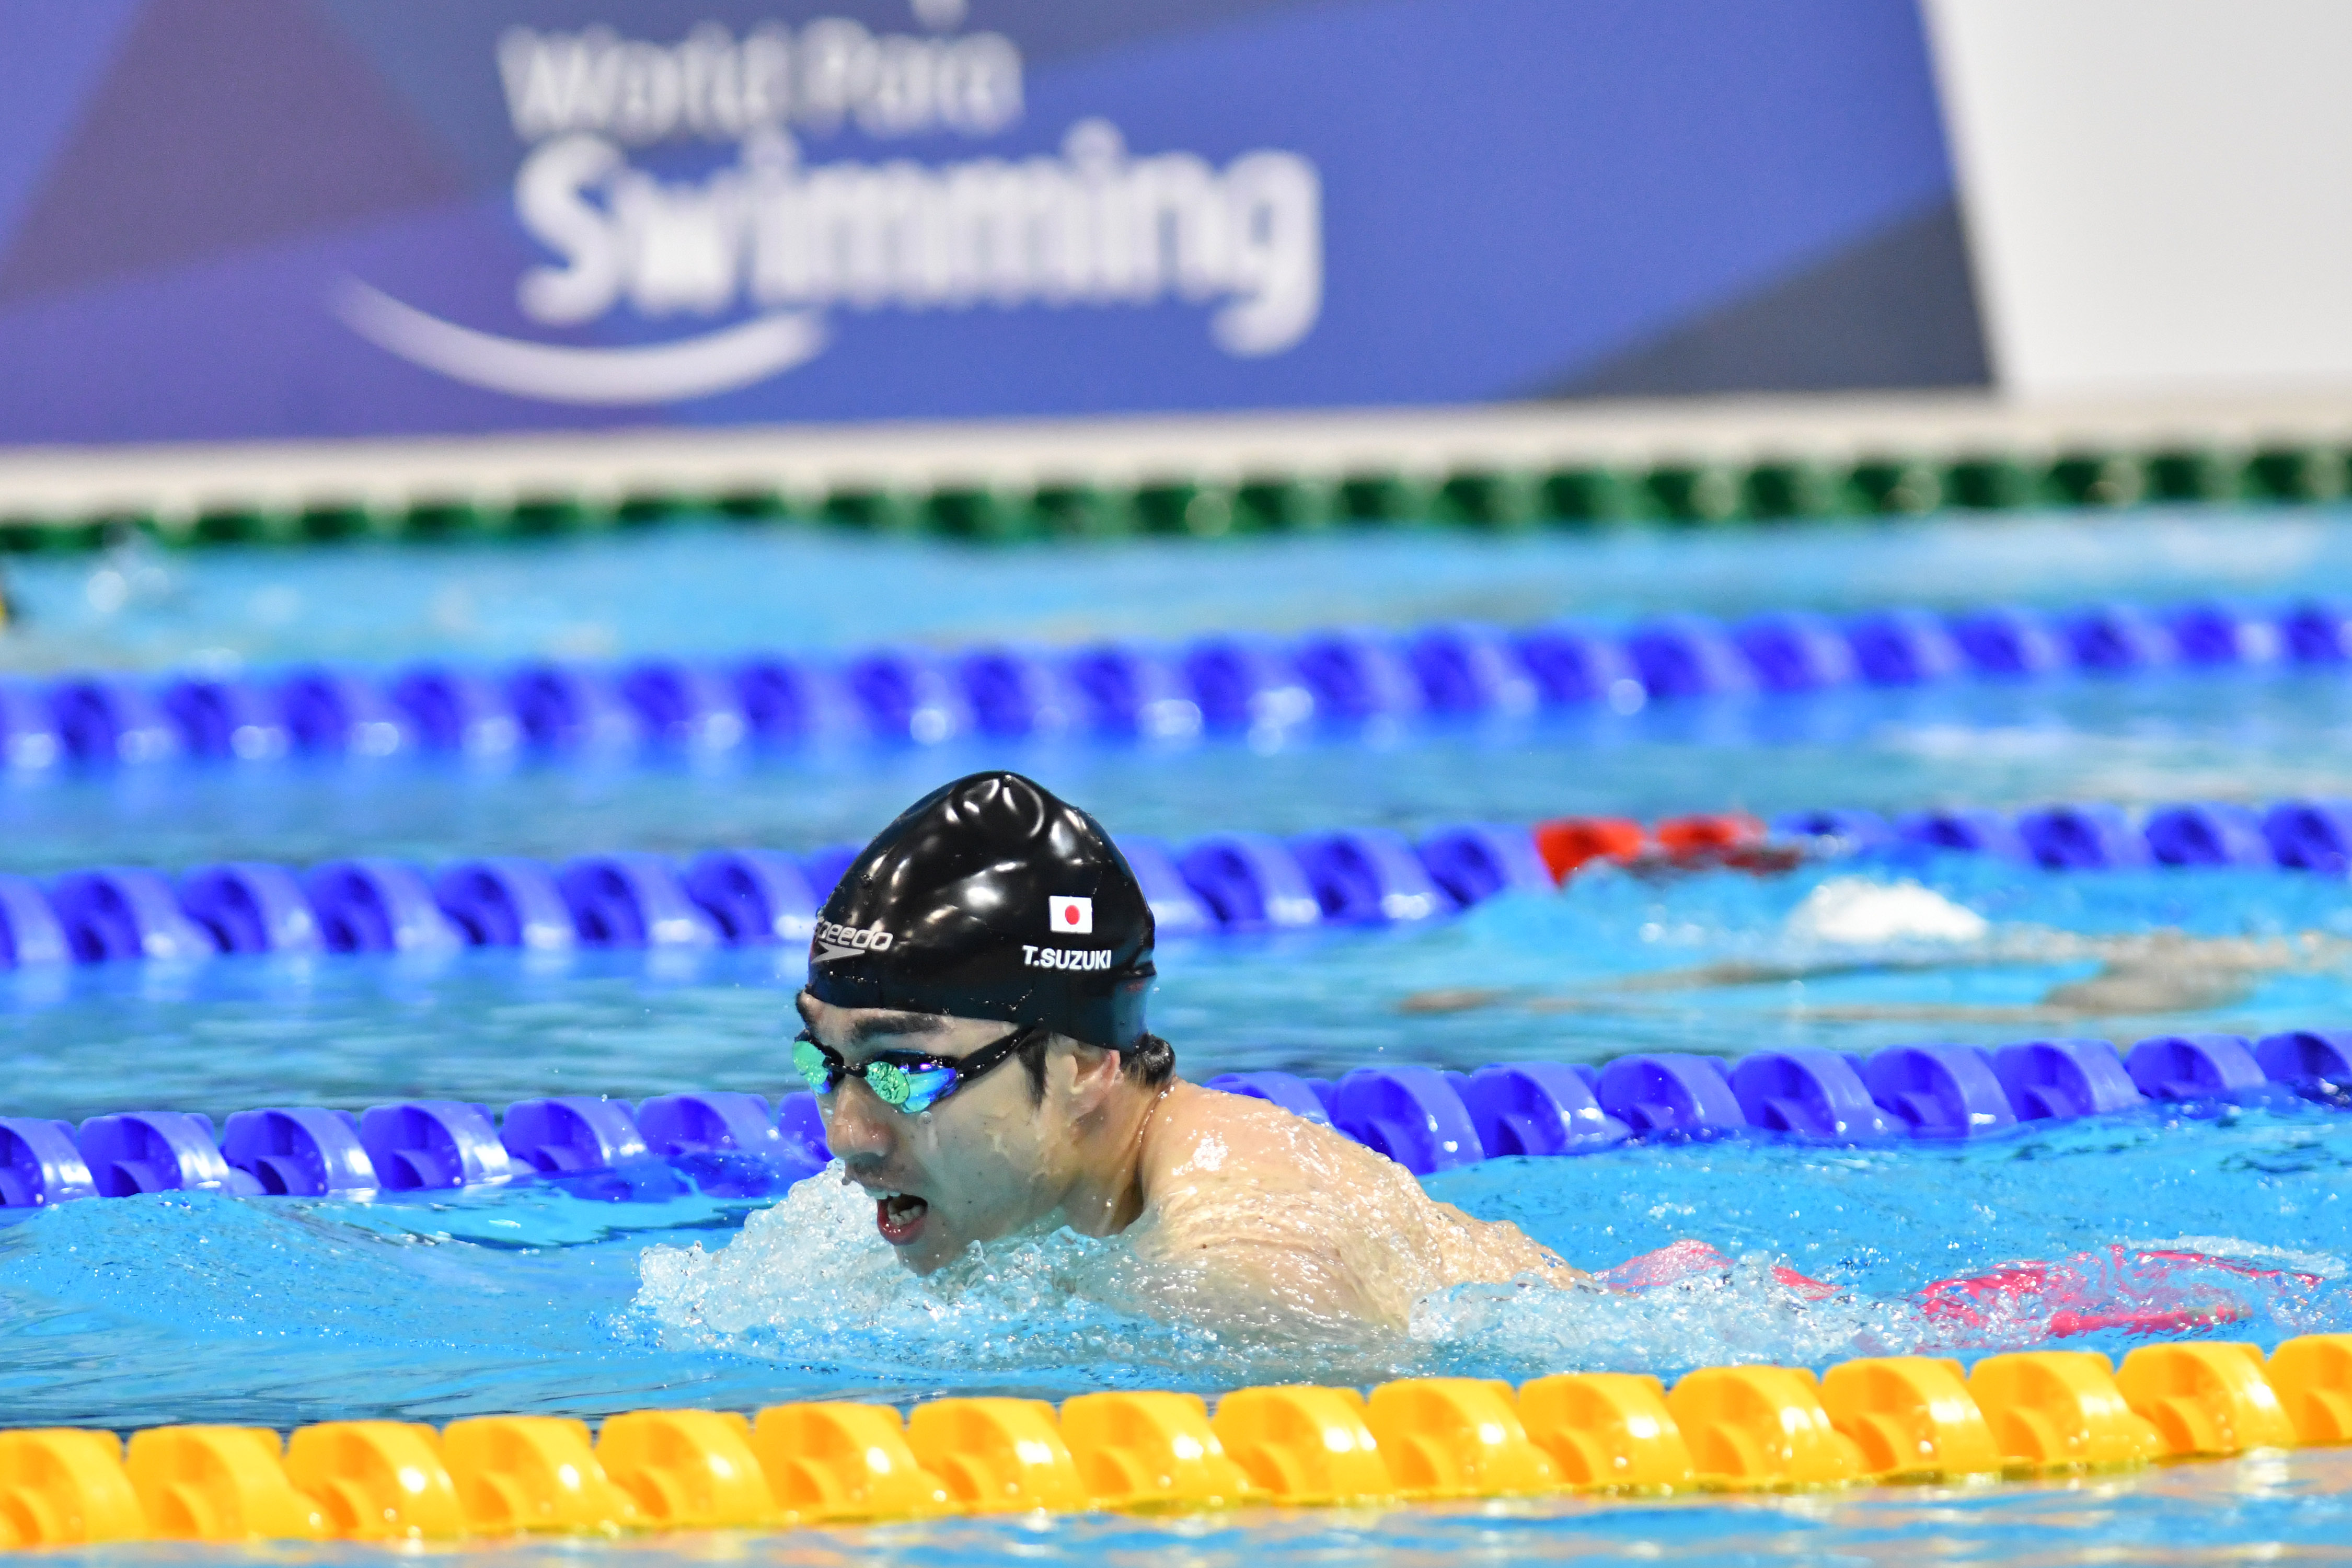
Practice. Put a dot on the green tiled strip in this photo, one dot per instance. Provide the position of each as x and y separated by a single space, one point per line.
1694 493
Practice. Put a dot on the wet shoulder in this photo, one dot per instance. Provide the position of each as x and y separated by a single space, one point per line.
1206 1137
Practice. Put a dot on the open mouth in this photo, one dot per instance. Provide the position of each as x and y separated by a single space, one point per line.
899 1216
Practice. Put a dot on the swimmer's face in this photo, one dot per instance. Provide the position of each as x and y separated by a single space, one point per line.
983 1163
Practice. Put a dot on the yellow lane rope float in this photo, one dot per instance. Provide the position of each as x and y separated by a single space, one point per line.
1897 1418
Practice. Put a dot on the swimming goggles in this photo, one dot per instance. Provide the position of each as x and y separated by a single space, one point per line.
910 1081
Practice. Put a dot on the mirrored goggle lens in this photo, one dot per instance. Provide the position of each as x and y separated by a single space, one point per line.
819 1073
912 1089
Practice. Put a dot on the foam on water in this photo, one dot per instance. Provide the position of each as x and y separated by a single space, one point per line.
1862 911
1752 1313
808 1278
809 1282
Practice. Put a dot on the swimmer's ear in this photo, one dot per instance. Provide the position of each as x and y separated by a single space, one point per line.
1095 1072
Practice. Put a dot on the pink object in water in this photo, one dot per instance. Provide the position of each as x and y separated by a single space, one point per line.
2138 1293
1682 1259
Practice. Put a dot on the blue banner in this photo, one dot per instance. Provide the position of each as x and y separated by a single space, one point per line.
311 217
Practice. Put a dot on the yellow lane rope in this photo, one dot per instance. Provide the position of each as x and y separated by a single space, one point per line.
1898 1418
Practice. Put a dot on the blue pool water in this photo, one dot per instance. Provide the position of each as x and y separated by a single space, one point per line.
136 1310
544 1295
712 591
2159 737
717 589
1544 979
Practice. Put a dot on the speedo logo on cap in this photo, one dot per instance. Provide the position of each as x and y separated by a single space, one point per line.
1070 917
834 940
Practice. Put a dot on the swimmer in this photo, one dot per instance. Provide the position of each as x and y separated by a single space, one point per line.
2139 974
975 1035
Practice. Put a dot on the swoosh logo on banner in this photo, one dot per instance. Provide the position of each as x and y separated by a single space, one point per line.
657 372
830 952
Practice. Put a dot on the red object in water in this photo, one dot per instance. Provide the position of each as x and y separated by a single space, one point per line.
1707 836
1568 842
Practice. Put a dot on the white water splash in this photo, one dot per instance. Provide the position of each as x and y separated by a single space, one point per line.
2325 1265
809 1281
1854 910
1739 1316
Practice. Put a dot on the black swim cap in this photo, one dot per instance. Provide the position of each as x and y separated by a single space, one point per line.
991 898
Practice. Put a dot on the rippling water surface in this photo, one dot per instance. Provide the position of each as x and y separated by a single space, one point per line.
548 1295
708 589
670 1286
196 1307
703 592
1717 961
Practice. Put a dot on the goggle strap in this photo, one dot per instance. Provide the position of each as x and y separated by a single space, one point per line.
995 1051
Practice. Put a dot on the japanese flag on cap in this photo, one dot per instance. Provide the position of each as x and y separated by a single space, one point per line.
1071 917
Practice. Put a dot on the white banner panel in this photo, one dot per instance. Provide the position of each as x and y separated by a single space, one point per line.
2158 192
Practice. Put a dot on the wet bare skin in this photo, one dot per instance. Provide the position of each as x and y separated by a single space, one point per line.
1248 1201
1232 1208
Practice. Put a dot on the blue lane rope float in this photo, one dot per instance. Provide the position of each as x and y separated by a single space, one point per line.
1223 685
724 1144
1229 882
736 1145
2303 834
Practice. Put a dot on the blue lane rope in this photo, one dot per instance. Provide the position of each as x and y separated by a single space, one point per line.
735 1146
1230 882
1223 685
